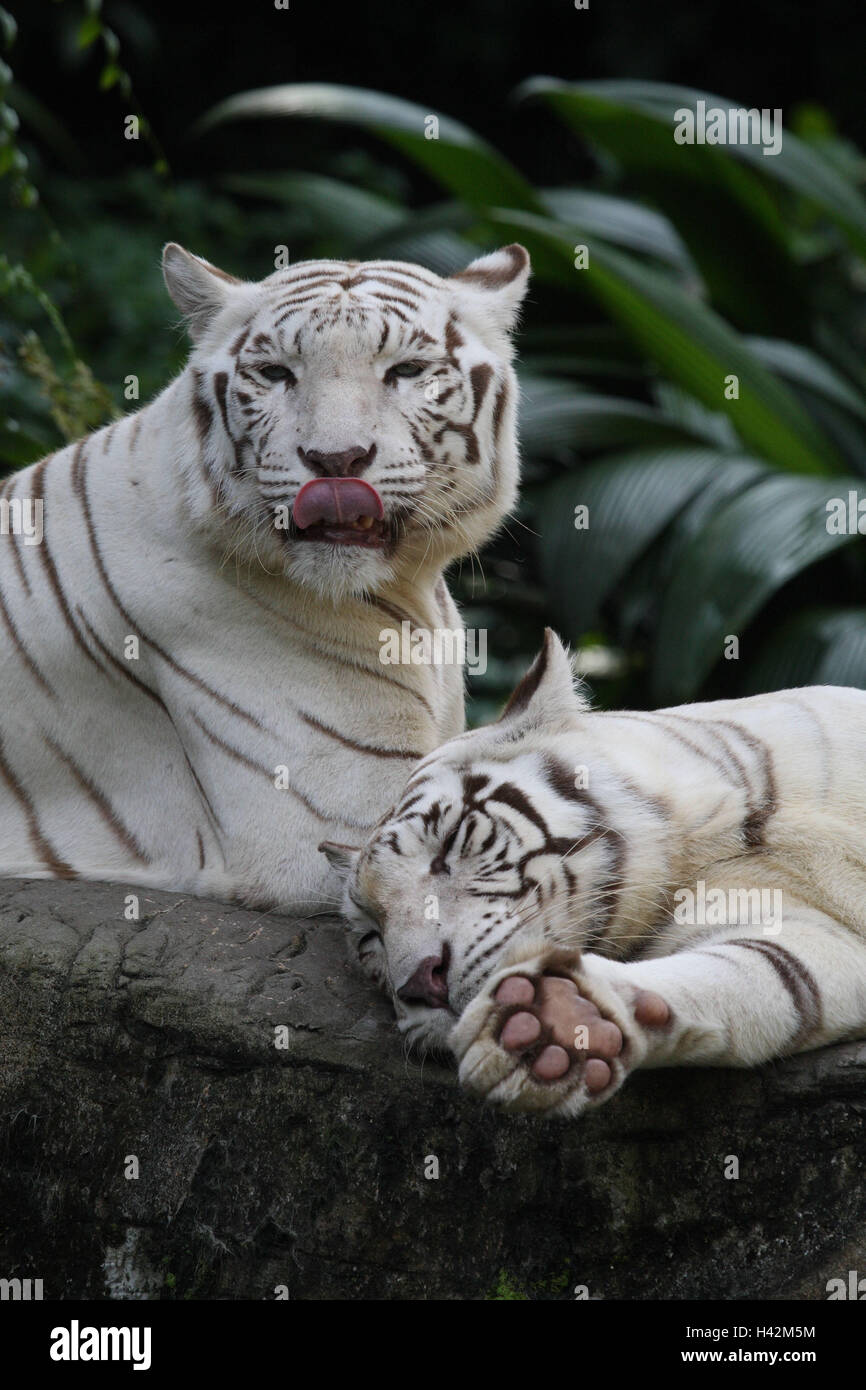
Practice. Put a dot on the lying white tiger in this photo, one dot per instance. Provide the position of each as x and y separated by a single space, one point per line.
190 684
564 896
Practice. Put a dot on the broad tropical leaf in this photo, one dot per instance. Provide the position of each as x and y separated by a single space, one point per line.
457 157
555 415
752 546
630 500
685 338
820 646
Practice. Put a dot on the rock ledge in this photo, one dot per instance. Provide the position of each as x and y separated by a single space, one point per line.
302 1167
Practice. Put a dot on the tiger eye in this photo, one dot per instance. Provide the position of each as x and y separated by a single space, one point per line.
406 370
275 371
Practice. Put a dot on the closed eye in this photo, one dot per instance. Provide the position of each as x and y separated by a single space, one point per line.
370 921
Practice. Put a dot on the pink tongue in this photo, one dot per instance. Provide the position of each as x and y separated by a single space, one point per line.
336 500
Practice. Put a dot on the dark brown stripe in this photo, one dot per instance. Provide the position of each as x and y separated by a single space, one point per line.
798 981
202 413
755 822
42 847
372 749
239 341
53 577
518 260
404 272
12 539
134 627
123 669
22 650
523 692
76 461
270 773
376 673
220 383
658 722
203 417
453 338
499 405
385 298
109 815
561 781
235 753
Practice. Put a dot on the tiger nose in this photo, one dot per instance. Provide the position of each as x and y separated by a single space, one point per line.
347 463
428 984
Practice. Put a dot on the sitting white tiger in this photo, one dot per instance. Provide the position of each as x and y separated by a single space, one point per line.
191 690
564 896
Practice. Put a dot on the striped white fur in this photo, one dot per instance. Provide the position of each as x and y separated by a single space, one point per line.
565 841
192 698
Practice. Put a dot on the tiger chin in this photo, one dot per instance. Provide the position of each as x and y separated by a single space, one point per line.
566 895
191 682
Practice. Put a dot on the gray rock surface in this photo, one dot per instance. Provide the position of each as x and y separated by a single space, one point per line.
302 1168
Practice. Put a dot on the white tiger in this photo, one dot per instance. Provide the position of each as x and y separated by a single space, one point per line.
566 895
191 691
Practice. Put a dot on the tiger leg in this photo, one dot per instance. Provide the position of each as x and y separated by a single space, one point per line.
558 1032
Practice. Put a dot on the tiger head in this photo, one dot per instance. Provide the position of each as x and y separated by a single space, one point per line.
352 422
494 836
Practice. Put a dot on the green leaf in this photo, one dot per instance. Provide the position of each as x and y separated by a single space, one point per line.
332 205
557 414
581 350
429 237
716 204
623 222
797 166
734 475
804 368
457 157
687 340
832 400
631 500
749 550
711 425
89 30
820 646
8 28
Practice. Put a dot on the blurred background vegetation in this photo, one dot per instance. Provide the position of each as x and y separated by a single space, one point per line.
706 514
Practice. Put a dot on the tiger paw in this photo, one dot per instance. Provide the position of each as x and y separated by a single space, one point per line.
545 1036
554 1028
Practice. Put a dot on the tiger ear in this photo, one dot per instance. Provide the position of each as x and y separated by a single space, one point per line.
196 287
343 858
495 285
546 697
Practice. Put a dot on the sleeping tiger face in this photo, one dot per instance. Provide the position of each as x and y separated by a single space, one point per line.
491 838
355 421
